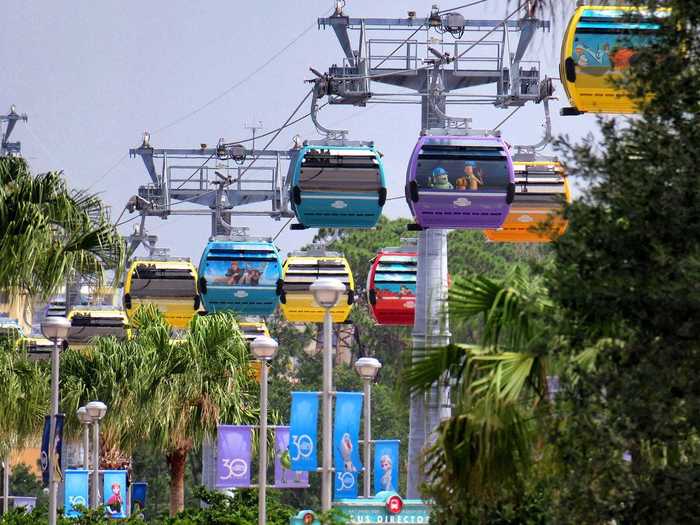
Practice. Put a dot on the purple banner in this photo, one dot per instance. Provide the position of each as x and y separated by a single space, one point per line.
234 454
285 477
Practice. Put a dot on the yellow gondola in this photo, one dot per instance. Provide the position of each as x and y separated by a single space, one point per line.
38 347
251 330
599 44
10 329
169 284
301 269
91 321
541 190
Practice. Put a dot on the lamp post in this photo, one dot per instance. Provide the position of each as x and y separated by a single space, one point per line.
85 420
327 293
96 410
367 368
54 328
263 349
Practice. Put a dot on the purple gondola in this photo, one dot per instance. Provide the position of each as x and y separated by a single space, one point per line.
461 182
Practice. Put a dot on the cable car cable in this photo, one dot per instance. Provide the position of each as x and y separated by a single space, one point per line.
400 46
491 31
282 229
242 81
461 7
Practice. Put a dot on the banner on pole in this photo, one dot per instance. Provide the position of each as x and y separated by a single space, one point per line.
234 456
386 465
139 491
304 431
113 493
75 491
285 477
51 459
346 432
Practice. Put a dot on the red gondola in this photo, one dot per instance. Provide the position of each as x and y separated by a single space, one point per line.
391 286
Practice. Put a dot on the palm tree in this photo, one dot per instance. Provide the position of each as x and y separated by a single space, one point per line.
24 401
497 385
25 397
48 231
167 392
208 381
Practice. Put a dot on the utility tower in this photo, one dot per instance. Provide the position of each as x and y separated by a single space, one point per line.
211 181
429 58
7 148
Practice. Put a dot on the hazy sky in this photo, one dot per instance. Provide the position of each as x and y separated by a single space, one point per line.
94 75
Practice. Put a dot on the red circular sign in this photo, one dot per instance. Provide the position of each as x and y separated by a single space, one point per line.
394 505
309 518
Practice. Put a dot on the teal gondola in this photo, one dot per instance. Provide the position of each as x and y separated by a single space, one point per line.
337 186
240 276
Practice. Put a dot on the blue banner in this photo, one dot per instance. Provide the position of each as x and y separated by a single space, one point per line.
346 433
54 458
75 491
139 491
386 465
303 432
113 493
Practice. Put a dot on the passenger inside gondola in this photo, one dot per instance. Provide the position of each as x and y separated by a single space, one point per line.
444 169
242 273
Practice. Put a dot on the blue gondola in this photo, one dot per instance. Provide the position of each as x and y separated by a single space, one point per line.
337 186
240 276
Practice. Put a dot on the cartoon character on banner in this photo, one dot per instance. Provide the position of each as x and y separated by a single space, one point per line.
114 503
346 447
286 462
386 481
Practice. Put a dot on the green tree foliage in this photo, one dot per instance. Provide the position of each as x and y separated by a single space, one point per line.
481 463
165 392
627 276
24 397
47 231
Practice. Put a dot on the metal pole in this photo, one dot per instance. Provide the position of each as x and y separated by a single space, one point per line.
86 446
95 492
368 438
327 469
53 480
262 469
6 484
430 329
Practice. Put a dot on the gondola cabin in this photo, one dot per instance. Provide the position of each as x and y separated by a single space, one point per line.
337 186
10 328
461 182
240 276
391 287
300 271
251 330
170 285
39 348
600 42
88 322
541 192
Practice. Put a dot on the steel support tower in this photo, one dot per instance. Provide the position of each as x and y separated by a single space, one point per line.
431 67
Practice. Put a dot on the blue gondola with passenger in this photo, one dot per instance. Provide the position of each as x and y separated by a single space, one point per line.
240 276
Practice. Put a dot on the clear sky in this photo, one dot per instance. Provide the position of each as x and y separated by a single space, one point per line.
94 75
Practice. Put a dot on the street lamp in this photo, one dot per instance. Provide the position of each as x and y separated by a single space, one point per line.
96 410
327 293
54 328
85 420
367 368
263 349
